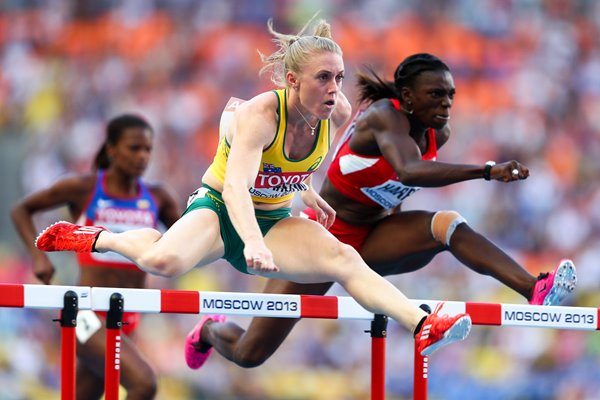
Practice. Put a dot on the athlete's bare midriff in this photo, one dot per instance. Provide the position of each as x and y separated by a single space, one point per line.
212 181
351 211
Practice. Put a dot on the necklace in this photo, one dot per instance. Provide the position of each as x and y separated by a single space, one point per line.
312 128
409 112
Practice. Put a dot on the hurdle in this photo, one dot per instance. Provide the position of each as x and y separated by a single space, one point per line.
118 300
70 299
507 315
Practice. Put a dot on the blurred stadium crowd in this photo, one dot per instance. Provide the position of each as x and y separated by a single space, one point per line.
527 74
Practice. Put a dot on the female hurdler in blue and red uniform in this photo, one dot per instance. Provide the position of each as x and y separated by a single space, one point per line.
115 197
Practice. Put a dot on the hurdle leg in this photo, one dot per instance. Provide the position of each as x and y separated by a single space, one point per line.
421 368
420 376
68 322
112 361
378 335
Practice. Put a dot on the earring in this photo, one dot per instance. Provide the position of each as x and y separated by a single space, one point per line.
409 112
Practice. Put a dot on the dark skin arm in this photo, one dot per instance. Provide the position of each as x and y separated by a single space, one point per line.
72 192
168 208
384 130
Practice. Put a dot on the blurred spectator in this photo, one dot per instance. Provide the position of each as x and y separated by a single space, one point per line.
528 87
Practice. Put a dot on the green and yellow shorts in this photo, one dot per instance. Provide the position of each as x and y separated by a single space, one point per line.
207 197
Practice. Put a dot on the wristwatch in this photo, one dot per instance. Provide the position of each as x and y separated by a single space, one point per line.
488 169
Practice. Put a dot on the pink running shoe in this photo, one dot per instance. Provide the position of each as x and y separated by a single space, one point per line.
438 331
195 358
552 288
65 236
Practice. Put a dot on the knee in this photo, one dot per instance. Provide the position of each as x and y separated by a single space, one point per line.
345 261
162 262
339 251
257 345
143 386
443 225
250 359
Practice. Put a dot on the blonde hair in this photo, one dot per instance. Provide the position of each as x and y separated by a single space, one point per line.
295 50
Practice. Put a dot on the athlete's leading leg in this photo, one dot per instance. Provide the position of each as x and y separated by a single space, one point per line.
401 243
404 242
320 257
178 250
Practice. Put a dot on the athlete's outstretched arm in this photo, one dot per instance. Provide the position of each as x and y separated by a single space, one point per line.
391 131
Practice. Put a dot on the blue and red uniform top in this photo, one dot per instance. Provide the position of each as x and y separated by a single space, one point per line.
116 214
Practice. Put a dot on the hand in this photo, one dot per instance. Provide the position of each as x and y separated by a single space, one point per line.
325 213
43 268
258 256
509 171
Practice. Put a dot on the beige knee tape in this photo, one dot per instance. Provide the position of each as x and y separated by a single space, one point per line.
443 225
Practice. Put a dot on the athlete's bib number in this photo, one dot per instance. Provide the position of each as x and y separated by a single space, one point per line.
88 323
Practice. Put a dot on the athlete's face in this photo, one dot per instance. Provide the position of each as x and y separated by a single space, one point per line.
320 82
131 153
432 98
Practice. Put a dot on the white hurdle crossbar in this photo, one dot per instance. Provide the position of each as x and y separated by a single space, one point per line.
284 306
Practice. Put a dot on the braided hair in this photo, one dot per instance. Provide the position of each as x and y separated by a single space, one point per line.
372 87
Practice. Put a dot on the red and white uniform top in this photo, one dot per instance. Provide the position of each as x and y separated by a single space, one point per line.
371 180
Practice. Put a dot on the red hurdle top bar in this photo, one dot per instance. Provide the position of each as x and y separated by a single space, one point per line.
287 306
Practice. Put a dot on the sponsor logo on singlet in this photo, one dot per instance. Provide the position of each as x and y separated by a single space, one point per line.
271 186
124 216
316 164
272 183
389 194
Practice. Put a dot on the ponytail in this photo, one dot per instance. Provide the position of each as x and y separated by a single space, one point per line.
371 87
101 161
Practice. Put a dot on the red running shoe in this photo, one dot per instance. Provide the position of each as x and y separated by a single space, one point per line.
195 358
438 331
65 236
